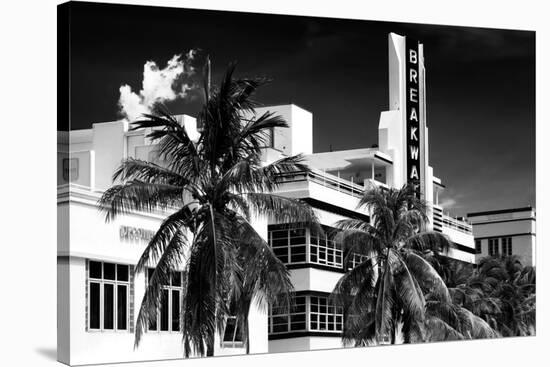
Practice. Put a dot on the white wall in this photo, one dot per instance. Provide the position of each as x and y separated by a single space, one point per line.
109 144
312 279
305 343
520 226
298 138
63 310
390 140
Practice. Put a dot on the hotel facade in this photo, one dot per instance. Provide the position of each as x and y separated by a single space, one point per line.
505 232
99 294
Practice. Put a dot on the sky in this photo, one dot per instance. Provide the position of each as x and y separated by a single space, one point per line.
480 83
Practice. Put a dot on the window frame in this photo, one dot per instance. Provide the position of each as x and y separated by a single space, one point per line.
493 247
335 314
478 246
170 288
506 245
233 343
324 243
115 283
308 312
335 250
289 245
356 259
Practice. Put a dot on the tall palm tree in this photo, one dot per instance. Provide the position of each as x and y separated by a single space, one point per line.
214 187
386 294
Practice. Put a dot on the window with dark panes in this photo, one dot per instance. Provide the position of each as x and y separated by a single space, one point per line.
288 244
284 319
324 249
232 336
478 246
493 246
322 316
168 314
325 316
95 307
506 245
355 259
108 289
164 310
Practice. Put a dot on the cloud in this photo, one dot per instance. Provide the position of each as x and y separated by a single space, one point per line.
447 203
172 82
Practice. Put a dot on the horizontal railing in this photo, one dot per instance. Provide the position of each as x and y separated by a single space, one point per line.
457 224
326 180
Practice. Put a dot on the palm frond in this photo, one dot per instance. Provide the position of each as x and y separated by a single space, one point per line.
429 241
430 281
162 237
281 209
138 196
148 172
170 261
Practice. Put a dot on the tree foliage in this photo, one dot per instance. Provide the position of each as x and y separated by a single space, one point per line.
214 188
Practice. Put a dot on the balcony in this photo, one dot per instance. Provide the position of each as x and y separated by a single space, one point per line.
331 181
457 224
442 220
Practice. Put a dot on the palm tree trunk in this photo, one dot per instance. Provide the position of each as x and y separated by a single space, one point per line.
210 348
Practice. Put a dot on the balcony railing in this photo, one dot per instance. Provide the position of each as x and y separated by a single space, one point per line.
326 180
457 224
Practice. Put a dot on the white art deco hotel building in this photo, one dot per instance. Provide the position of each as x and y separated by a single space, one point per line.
99 295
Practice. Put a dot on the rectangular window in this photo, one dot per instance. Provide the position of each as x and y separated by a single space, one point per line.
355 259
122 306
291 246
176 299
284 319
95 307
322 316
506 243
288 244
493 246
108 296
164 309
324 250
232 336
168 315
478 246
108 306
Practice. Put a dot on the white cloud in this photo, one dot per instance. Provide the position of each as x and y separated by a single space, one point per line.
131 105
447 203
158 86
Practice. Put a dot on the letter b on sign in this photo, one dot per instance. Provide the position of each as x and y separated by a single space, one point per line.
412 56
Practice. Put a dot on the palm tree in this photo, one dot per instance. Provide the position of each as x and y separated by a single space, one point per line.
506 280
386 294
214 187
468 292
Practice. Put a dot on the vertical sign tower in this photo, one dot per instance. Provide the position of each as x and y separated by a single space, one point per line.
413 132
402 129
